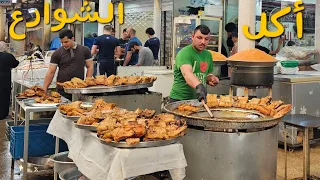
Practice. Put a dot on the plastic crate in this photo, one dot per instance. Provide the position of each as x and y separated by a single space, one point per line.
10 123
40 142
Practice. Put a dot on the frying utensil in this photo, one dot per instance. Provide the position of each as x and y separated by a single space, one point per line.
207 108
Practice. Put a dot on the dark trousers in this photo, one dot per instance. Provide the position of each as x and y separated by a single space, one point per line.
107 67
64 94
95 66
5 102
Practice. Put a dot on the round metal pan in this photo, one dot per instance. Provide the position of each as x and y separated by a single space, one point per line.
22 98
105 89
86 127
237 123
144 144
33 103
69 117
83 105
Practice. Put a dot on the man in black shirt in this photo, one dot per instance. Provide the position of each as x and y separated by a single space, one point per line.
7 62
107 45
230 27
154 44
124 40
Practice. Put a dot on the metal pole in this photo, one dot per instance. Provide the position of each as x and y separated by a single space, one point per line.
56 152
26 143
157 19
2 23
285 150
164 37
306 154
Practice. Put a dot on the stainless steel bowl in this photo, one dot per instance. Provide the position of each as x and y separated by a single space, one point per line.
36 164
70 174
62 162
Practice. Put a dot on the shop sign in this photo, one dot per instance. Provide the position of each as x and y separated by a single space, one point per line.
61 16
264 32
5 2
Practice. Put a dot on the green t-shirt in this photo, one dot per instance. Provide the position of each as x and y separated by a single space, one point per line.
202 65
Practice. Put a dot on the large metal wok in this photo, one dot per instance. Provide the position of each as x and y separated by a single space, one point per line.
224 118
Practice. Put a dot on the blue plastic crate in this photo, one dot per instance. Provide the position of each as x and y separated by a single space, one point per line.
40 142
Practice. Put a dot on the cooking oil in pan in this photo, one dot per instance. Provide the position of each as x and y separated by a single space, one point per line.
229 114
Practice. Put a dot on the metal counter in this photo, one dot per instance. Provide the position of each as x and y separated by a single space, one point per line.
301 90
231 156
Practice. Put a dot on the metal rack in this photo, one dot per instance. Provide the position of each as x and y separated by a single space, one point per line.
183 29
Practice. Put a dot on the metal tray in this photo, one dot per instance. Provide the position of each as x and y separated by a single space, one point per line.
83 104
202 118
86 127
144 144
69 117
22 98
31 102
105 89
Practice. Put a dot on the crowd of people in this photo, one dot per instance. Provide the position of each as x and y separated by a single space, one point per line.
128 50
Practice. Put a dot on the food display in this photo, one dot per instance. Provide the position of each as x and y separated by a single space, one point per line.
132 128
216 56
40 96
79 108
252 55
110 81
115 124
265 105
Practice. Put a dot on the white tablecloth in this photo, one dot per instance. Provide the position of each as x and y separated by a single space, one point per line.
98 161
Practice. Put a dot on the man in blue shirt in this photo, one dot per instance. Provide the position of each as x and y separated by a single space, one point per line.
131 58
154 44
106 44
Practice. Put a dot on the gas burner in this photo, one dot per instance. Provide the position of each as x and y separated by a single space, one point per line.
250 91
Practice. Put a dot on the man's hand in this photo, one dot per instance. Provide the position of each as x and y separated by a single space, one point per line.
201 92
212 80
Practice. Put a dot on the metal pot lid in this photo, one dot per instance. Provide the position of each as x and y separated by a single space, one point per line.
249 120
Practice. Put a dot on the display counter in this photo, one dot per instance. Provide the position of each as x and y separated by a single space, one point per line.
301 90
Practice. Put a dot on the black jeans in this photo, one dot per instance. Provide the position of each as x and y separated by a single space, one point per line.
5 102
107 67
95 66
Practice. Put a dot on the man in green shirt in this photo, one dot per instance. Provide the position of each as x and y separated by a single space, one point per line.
193 68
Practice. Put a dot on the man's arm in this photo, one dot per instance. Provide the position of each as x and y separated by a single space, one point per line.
188 75
278 48
146 44
141 59
118 52
89 65
49 76
94 49
128 58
